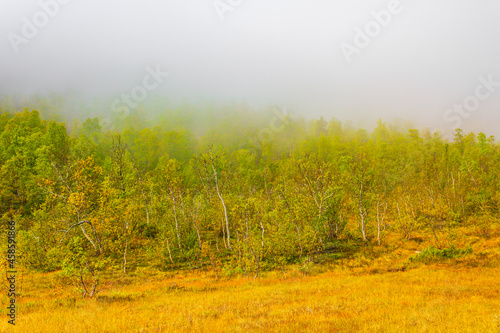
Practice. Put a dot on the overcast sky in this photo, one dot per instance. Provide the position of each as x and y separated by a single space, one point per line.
421 59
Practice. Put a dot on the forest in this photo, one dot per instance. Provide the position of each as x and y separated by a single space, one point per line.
250 192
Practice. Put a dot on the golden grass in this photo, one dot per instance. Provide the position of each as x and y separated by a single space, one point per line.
420 300
355 295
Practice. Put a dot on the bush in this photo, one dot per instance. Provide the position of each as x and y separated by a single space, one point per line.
432 254
145 230
33 253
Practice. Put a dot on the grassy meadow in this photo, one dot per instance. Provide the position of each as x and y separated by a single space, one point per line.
377 289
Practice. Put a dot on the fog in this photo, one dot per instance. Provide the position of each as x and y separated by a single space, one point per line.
421 59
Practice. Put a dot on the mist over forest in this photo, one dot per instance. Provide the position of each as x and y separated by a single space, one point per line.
357 61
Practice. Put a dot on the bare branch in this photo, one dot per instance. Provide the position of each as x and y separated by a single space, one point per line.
83 229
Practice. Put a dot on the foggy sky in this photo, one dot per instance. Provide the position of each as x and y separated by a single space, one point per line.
428 58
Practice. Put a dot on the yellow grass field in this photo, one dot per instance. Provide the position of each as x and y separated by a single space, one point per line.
361 294
419 300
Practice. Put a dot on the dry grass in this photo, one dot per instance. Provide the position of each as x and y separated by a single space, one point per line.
420 300
358 296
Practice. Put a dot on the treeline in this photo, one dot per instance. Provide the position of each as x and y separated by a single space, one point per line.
251 193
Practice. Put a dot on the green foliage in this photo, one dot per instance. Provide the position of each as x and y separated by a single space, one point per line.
432 254
75 256
147 230
209 189
33 254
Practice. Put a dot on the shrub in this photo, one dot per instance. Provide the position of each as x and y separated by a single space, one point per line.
432 254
